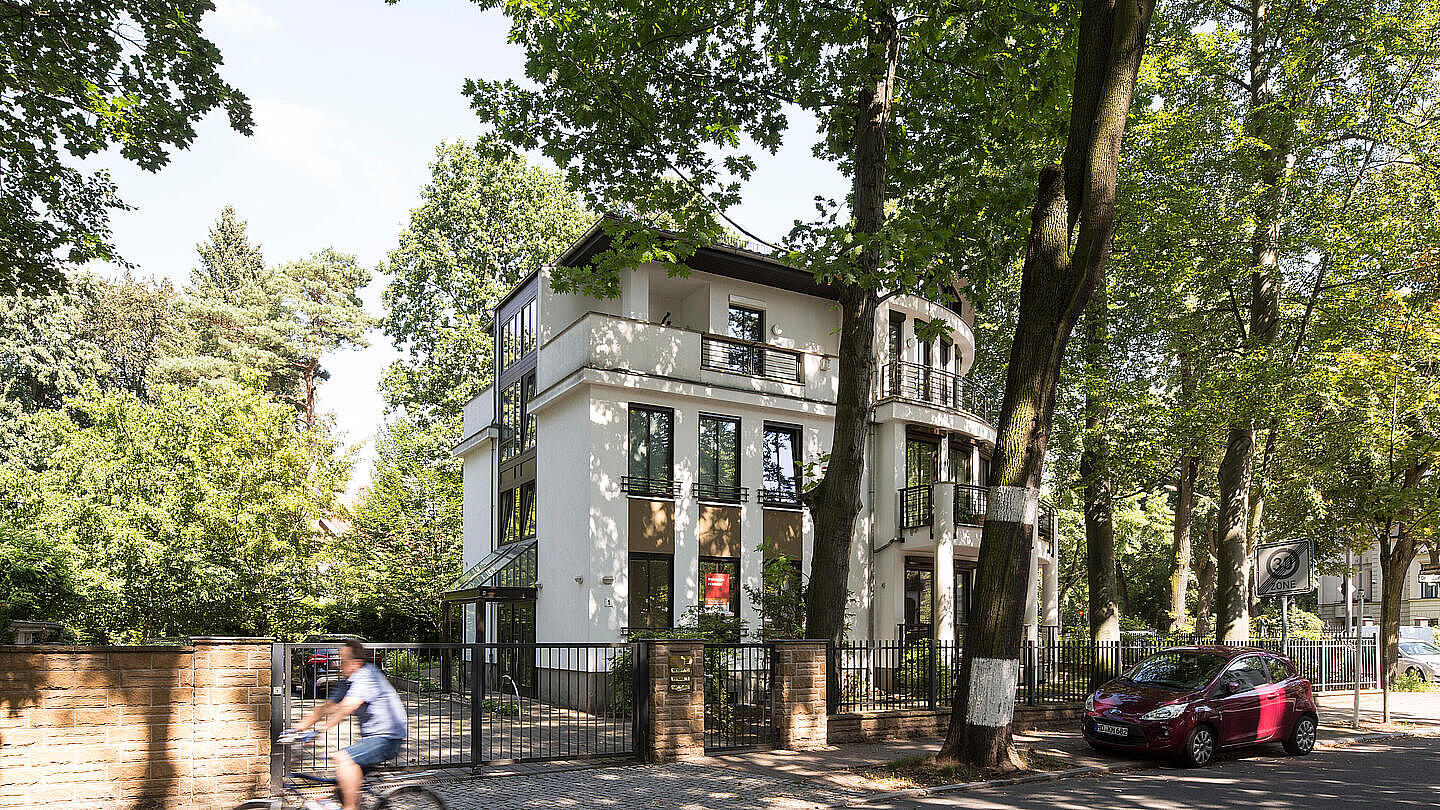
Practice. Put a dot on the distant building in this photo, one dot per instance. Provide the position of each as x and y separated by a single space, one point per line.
633 455
1419 604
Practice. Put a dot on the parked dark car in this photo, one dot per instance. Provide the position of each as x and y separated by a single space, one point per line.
317 669
1190 702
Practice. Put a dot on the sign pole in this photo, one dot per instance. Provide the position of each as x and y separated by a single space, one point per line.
1285 621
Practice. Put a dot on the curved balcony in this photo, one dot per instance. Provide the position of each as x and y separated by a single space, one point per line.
913 382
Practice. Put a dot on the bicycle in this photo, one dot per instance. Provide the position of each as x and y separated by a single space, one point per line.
382 792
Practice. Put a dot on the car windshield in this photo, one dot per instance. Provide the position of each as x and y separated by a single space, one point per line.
1419 648
1185 670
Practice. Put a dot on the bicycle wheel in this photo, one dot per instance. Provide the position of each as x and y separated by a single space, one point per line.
411 797
259 804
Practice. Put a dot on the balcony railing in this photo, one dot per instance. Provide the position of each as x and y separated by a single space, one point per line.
971 501
650 487
782 496
915 507
932 386
751 358
721 493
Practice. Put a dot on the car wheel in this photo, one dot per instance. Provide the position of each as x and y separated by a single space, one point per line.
1199 747
1414 672
1302 736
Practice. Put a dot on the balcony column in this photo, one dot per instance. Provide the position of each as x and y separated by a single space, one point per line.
688 587
635 293
752 519
1050 593
1032 581
943 499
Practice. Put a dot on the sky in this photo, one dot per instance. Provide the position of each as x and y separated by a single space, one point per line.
350 99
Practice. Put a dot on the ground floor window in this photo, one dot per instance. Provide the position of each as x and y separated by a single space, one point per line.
920 597
652 578
720 584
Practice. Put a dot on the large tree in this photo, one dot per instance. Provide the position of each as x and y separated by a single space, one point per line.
78 78
1071 228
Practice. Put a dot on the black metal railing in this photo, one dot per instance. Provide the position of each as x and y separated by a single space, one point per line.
721 493
752 358
474 703
915 506
919 673
932 386
739 690
783 496
650 487
971 501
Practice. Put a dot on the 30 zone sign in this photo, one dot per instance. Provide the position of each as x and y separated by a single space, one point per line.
1282 568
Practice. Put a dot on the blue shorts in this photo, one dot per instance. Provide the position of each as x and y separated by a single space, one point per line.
372 751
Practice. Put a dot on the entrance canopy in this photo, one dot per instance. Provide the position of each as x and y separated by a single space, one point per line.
505 574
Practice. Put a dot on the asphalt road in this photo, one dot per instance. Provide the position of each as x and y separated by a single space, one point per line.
1394 773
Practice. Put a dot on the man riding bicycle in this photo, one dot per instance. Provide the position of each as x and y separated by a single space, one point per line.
366 694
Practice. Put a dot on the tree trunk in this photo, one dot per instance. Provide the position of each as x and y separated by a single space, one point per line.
1055 286
1100 564
1205 598
1274 158
1180 552
1397 552
835 501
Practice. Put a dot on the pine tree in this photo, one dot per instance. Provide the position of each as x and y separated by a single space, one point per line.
227 260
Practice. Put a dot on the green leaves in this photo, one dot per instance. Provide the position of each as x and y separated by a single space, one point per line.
79 78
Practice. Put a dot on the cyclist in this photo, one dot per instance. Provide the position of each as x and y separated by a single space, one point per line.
366 694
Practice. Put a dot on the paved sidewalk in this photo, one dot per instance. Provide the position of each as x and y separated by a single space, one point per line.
812 779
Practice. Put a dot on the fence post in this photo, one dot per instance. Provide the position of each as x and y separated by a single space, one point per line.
477 694
640 697
279 711
934 671
1030 680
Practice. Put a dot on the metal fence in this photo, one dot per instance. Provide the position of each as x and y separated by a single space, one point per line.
915 382
739 691
751 358
920 674
473 704
915 506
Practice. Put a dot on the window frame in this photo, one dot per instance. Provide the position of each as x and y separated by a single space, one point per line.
778 495
649 559
734 581
648 484
716 490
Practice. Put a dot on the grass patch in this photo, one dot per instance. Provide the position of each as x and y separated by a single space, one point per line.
928 771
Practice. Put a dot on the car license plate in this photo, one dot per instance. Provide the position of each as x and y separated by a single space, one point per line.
1112 730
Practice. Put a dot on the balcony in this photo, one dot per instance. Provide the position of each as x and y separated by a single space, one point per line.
784 497
916 506
916 383
735 356
971 502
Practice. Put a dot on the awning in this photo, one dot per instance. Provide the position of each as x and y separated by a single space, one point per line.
506 573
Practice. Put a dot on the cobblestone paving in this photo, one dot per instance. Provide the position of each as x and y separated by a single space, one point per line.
680 785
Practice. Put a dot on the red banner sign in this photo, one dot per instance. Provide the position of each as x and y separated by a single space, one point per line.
717 590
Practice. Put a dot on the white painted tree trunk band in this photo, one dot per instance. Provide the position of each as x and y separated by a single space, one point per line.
1013 505
992 691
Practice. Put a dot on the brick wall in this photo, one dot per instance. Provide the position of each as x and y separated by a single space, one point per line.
677 718
800 721
126 728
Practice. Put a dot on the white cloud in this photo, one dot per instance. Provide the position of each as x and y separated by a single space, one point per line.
300 137
243 17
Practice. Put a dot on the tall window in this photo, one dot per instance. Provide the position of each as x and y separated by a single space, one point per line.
919 597
780 462
517 513
651 450
719 458
920 456
1429 589
515 417
897 352
651 579
518 334
747 324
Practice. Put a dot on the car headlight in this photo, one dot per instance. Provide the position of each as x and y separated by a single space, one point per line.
1090 702
1170 712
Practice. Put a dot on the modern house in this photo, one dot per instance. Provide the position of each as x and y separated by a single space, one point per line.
642 456
1419 604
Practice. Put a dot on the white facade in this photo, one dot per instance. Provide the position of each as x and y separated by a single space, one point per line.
663 343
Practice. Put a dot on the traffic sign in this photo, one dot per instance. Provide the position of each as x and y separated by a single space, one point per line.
1283 568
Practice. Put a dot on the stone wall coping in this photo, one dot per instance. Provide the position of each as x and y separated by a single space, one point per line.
232 639
89 648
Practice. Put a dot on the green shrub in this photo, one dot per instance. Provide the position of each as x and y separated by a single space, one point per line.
402 662
1405 682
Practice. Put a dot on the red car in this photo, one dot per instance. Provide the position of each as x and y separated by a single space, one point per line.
1190 702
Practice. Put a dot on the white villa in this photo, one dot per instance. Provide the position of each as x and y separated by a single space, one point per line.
638 456
1419 603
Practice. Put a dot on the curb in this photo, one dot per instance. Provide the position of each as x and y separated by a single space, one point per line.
1095 770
